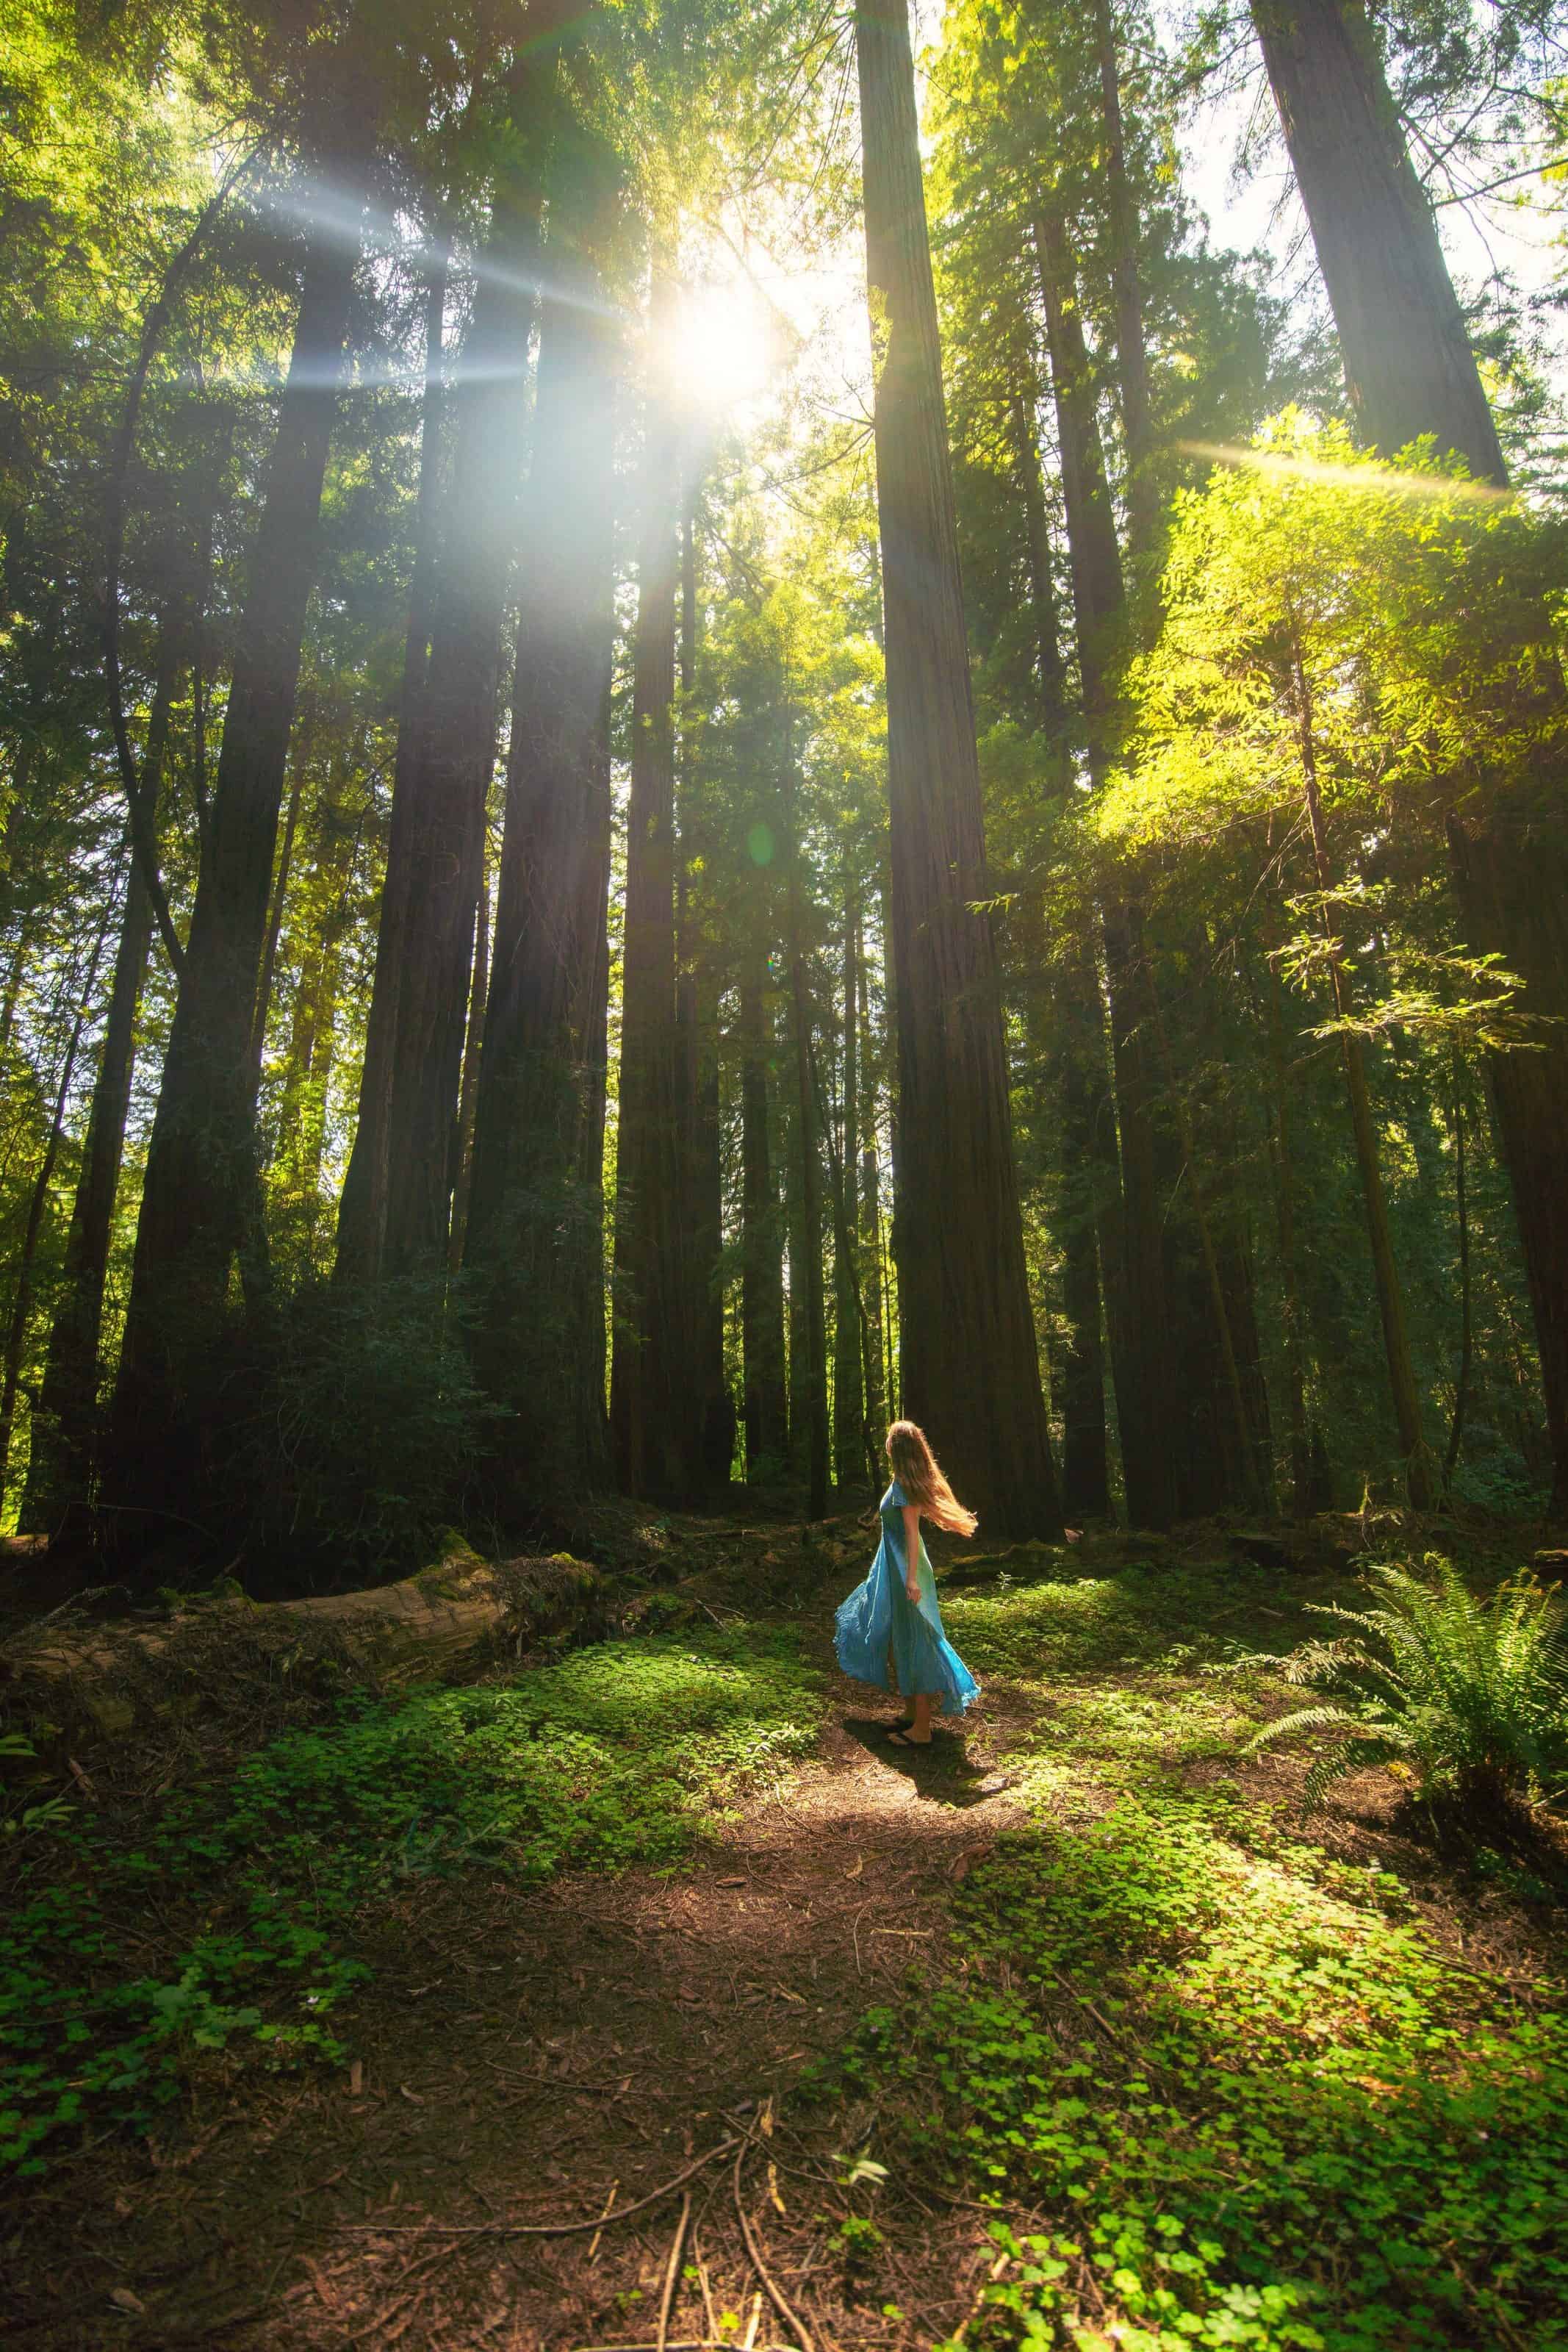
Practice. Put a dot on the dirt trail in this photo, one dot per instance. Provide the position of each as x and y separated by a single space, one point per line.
522 2054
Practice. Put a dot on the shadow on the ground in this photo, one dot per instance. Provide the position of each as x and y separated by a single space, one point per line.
946 1772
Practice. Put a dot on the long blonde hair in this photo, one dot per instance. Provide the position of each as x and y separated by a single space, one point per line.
919 1474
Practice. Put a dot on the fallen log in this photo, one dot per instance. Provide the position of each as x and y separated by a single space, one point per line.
427 1628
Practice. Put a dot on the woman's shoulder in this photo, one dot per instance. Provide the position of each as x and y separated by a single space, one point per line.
896 1499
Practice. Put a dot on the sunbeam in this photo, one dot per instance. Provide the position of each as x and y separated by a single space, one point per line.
1367 478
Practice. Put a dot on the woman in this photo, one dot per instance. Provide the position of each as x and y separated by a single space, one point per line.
895 1608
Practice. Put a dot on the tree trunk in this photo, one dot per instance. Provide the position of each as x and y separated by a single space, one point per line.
468 1091
1079 1053
767 1409
199 1191
1132 1226
1303 1476
1462 1219
1141 1326
1511 879
650 1399
808 1379
451 758
1409 365
1087 1129
275 916
1051 671
706 1159
696 1054
361 1214
1404 1395
866 1209
22 1297
848 1379
1238 1450
536 1221
1099 595
1137 411
61 1459
971 1362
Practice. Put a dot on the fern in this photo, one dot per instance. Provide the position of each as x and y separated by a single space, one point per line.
1471 1694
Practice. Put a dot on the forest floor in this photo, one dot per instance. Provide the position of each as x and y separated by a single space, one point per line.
667 1924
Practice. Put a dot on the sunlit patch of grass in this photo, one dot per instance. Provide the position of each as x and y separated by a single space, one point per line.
1140 1734
1139 1616
1247 2098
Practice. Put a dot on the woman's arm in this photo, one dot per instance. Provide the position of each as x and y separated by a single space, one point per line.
911 1551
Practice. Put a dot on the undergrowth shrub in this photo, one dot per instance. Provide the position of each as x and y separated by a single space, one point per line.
1470 1694
355 1433
618 1754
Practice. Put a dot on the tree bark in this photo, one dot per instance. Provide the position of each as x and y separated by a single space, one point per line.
697 1088
849 1377
275 916
1051 671
650 1398
1132 1225
971 1363
1240 1455
809 1383
22 1297
1512 877
361 1214
451 758
1462 1220
200 1192
1409 365
536 1221
766 1411
294 1176
1099 593
1302 1474
1078 1048
61 1461
1132 354
1087 1124
468 1090
1403 1391
865 1207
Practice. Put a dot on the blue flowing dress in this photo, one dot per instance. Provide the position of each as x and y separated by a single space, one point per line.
879 1619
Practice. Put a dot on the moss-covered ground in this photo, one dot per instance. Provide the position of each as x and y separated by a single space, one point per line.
1074 2032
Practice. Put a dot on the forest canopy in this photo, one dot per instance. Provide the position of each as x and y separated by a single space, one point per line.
719 720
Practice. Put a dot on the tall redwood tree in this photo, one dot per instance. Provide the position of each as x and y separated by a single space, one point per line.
200 1202
971 1370
1410 369
535 1236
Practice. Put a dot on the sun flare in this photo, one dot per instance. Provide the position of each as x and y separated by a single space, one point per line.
721 348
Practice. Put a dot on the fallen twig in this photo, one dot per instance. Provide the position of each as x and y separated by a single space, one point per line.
609 2207
1085 2002
703 2281
855 1932
775 2294
673 2272
595 2221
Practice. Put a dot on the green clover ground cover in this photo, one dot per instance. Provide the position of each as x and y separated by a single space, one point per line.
1239 2097
617 1754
